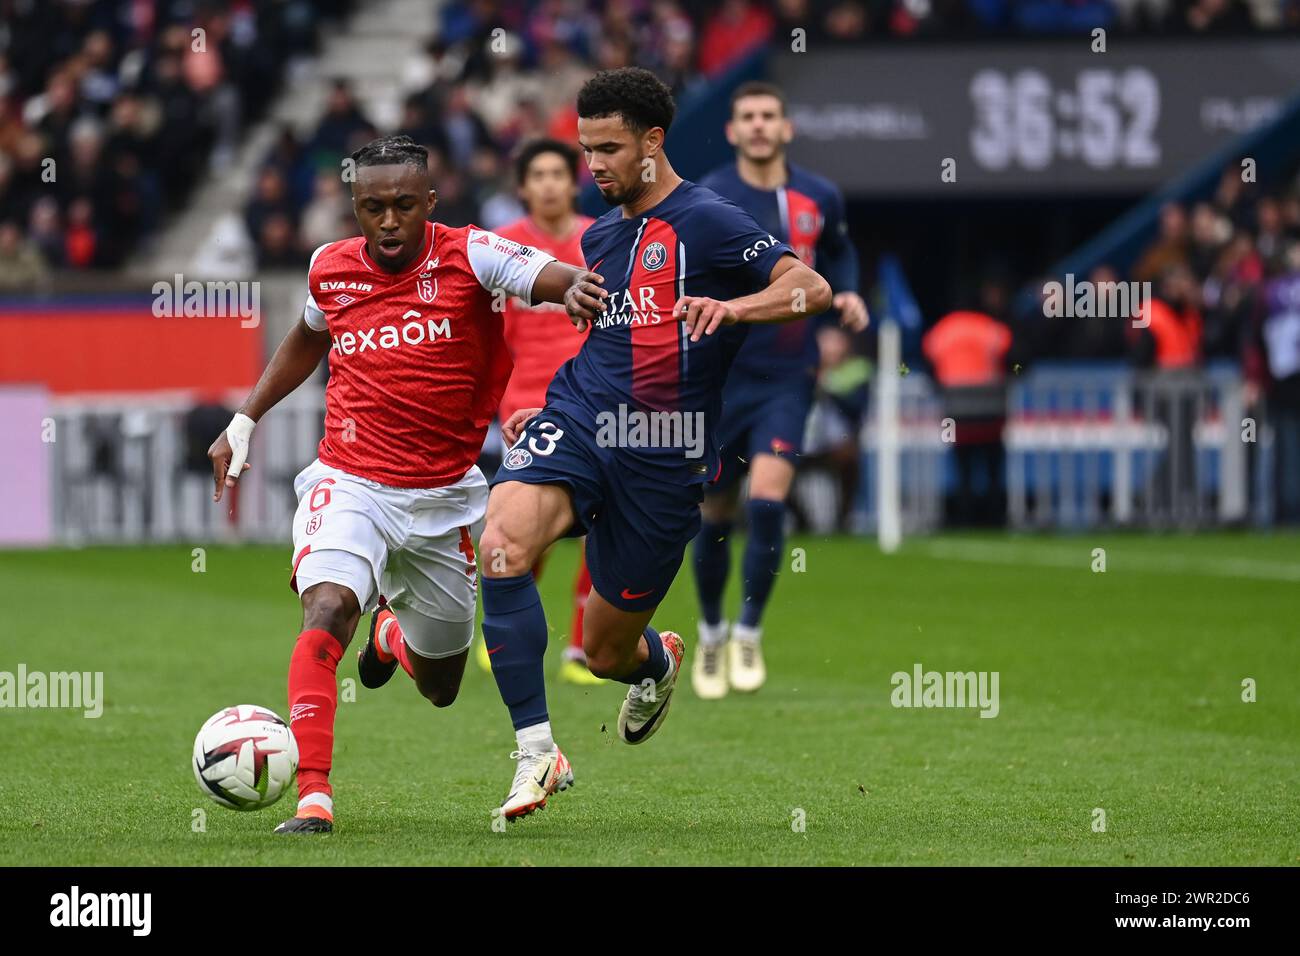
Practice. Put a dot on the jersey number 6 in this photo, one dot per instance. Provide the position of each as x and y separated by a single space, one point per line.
320 495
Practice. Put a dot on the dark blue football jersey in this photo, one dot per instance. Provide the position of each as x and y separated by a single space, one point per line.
808 213
638 357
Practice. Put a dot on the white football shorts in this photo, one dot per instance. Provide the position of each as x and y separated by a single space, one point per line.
415 546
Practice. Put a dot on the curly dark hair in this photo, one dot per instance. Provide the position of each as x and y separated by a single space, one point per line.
538 147
392 151
637 95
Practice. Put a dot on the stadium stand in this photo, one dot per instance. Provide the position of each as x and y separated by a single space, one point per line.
123 107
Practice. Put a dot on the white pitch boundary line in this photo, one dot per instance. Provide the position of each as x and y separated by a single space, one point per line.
993 553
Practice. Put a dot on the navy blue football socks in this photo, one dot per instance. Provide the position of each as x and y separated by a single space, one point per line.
762 556
655 667
712 561
514 628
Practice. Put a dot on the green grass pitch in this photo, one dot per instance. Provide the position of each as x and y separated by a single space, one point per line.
1119 690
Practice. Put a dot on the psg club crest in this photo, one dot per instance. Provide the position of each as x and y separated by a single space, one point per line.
517 458
654 256
805 222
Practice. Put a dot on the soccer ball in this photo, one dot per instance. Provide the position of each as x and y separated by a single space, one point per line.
245 757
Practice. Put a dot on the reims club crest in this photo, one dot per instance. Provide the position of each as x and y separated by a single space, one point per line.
654 256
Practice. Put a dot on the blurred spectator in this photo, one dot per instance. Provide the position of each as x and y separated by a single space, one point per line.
329 214
1169 333
271 200
81 241
1171 341
1273 370
968 351
732 33
342 129
676 66
22 269
1169 250
494 190
437 65
465 130
1234 197
131 106
1270 234
276 245
1099 335
1227 295
1220 16
420 126
45 228
831 446
847 21
1209 234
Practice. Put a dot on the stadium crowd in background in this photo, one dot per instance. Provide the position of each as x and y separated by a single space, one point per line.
116 93
1207 265
473 95
111 111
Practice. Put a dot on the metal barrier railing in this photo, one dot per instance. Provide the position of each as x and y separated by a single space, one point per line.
129 472
1084 448
922 455
1152 449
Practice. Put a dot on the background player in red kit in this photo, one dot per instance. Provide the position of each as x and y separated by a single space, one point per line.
418 364
542 338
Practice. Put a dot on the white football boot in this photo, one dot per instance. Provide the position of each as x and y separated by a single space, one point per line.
645 707
745 668
709 668
537 776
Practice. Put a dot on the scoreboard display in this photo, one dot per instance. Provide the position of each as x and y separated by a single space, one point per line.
1007 118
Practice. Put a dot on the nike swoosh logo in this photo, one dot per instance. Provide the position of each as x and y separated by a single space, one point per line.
634 735
493 650
541 781
629 596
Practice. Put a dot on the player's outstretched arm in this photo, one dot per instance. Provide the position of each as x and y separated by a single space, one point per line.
794 291
291 365
578 290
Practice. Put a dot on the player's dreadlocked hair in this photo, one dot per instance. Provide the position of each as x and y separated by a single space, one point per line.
392 151
635 94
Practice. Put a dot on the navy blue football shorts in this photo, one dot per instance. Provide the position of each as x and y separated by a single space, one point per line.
637 527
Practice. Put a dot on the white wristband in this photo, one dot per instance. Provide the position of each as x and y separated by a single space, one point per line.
239 433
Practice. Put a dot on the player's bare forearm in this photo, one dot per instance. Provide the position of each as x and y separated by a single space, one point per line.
795 292
294 360
577 289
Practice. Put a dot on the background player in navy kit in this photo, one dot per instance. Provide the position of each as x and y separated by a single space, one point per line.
769 389
677 267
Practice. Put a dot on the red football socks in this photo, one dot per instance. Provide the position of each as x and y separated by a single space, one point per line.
391 634
581 590
313 698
